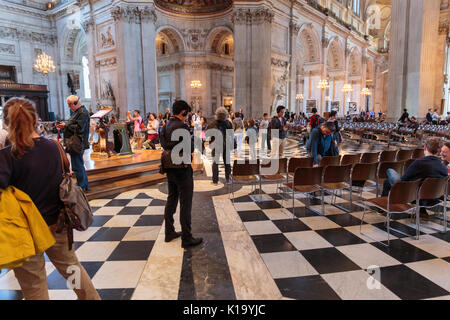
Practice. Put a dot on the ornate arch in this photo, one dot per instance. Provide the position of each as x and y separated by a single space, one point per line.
173 38
310 42
335 58
69 37
354 67
217 37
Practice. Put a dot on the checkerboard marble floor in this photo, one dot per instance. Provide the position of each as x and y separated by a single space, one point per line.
313 256
114 250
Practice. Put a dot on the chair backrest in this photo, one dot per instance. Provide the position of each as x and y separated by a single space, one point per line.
308 176
404 154
404 192
407 164
330 161
245 169
268 166
418 154
334 174
433 188
388 155
382 168
364 171
295 163
350 159
370 157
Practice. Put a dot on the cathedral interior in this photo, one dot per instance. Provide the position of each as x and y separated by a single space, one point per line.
372 61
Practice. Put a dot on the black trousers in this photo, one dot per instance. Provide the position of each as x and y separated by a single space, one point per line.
181 187
215 168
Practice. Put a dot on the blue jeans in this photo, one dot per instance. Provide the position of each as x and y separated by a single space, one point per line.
80 172
392 177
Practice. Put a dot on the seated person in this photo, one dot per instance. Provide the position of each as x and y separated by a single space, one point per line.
321 142
428 167
445 155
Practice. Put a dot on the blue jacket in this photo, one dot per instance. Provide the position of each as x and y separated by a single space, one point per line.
315 145
427 167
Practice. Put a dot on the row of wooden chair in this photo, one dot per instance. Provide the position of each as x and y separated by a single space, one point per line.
331 176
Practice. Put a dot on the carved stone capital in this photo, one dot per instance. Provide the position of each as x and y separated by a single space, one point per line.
88 25
133 14
106 62
252 16
294 28
148 14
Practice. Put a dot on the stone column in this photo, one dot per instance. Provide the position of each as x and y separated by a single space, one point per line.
253 50
293 90
148 21
414 35
128 31
89 29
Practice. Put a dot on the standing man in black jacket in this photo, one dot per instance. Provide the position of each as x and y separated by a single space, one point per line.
179 176
78 124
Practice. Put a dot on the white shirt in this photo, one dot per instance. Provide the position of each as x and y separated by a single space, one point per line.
3 134
264 124
153 127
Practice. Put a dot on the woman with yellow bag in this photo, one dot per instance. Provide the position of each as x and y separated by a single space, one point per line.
30 167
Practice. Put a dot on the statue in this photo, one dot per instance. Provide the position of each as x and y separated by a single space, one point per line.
279 88
107 39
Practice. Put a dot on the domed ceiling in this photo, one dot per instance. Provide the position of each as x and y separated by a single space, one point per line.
194 6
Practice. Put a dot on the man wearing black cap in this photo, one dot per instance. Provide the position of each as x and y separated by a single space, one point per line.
179 176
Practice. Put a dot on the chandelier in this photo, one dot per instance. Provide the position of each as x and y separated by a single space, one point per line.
323 84
196 84
44 63
347 88
299 96
366 92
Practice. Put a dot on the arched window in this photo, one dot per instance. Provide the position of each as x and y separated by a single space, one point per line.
355 7
87 88
163 48
227 49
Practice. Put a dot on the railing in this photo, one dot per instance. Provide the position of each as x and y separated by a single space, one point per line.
327 12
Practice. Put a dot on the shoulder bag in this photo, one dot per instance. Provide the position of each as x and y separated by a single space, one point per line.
76 213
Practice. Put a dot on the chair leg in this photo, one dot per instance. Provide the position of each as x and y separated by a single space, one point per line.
323 202
293 206
362 220
445 213
388 228
351 197
417 222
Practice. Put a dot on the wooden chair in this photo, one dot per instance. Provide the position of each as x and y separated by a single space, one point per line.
335 178
418 154
330 161
306 180
407 164
404 154
388 156
399 200
382 169
361 173
370 157
350 159
245 173
433 189
295 163
274 171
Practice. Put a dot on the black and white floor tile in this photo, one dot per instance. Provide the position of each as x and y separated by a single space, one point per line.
259 249
314 256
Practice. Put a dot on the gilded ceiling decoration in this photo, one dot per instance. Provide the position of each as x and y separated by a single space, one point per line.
194 6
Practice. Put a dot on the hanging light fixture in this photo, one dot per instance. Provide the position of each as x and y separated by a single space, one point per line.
299 96
347 88
196 84
44 63
323 84
366 92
